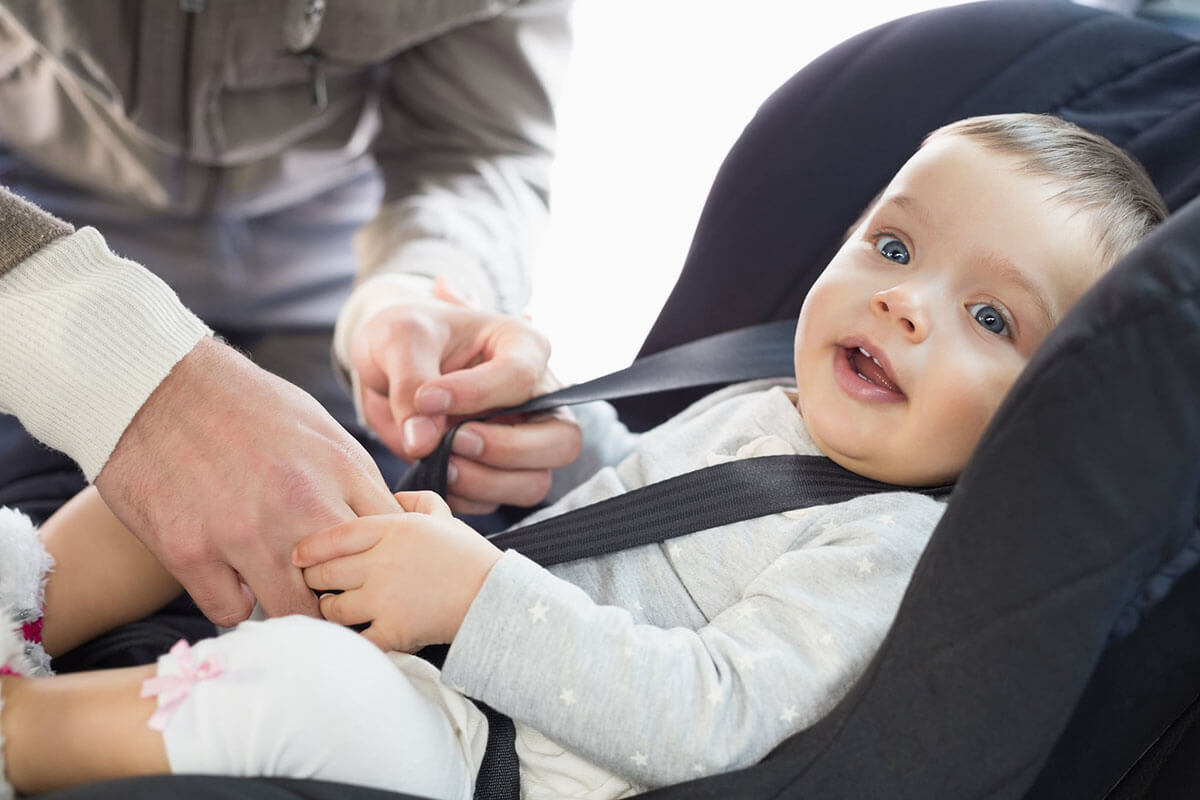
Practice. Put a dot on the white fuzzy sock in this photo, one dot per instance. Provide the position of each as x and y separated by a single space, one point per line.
24 568
13 656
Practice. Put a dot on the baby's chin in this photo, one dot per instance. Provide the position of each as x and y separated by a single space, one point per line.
902 469
900 474
844 445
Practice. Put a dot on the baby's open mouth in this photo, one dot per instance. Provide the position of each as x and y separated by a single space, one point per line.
870 370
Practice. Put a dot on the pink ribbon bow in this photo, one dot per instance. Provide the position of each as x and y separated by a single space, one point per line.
172 689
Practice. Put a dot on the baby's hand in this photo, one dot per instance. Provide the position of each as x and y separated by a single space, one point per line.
412 576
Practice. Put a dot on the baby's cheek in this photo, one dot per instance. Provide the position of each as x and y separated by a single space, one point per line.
969 409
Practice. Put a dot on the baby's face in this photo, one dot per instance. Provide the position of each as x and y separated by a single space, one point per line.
918 327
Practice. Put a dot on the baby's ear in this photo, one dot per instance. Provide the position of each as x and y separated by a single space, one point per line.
423 503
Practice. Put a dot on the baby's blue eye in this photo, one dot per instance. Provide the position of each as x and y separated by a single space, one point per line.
892 248
989 318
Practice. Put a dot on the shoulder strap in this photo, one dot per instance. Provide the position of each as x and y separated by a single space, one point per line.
758 351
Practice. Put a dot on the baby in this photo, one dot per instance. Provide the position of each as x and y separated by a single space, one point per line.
641 668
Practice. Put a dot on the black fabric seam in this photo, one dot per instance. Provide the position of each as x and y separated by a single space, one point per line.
1131 72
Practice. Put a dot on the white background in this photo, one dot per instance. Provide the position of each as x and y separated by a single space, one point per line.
658 91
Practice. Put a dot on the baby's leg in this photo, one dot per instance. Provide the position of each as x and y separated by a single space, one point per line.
80 728
292 697
103 576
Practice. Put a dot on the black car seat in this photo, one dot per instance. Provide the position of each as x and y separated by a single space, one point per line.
1049 637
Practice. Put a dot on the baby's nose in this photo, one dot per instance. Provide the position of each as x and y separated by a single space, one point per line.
903 309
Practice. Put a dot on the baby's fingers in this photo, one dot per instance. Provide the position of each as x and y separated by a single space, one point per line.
423 503
339 574
344 539
347 608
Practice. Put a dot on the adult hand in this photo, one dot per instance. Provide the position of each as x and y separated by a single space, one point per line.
423 368
411 576
223 469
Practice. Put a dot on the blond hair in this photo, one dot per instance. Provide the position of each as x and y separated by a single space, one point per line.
1096 176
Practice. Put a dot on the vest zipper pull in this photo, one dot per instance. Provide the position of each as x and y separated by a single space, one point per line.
316 70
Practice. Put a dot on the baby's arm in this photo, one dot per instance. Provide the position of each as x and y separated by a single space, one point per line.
103 576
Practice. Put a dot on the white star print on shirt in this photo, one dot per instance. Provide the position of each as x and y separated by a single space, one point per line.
788 715
865 566
640 759
537 611
568 697
887 519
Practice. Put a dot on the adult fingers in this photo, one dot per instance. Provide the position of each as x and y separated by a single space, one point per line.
397 350
412 357
370 495
545 443
378 413
279 586
520 487
344 539
465 505
513 366
371 374
218 593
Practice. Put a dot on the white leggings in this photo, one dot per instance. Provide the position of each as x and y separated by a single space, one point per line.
302 698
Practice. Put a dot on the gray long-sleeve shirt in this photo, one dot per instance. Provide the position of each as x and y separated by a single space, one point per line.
700 654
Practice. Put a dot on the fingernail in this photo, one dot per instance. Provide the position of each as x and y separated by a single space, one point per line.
451 474
417 432
467 443
433 401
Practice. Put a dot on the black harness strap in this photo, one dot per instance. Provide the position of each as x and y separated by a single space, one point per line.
758 351
705 498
